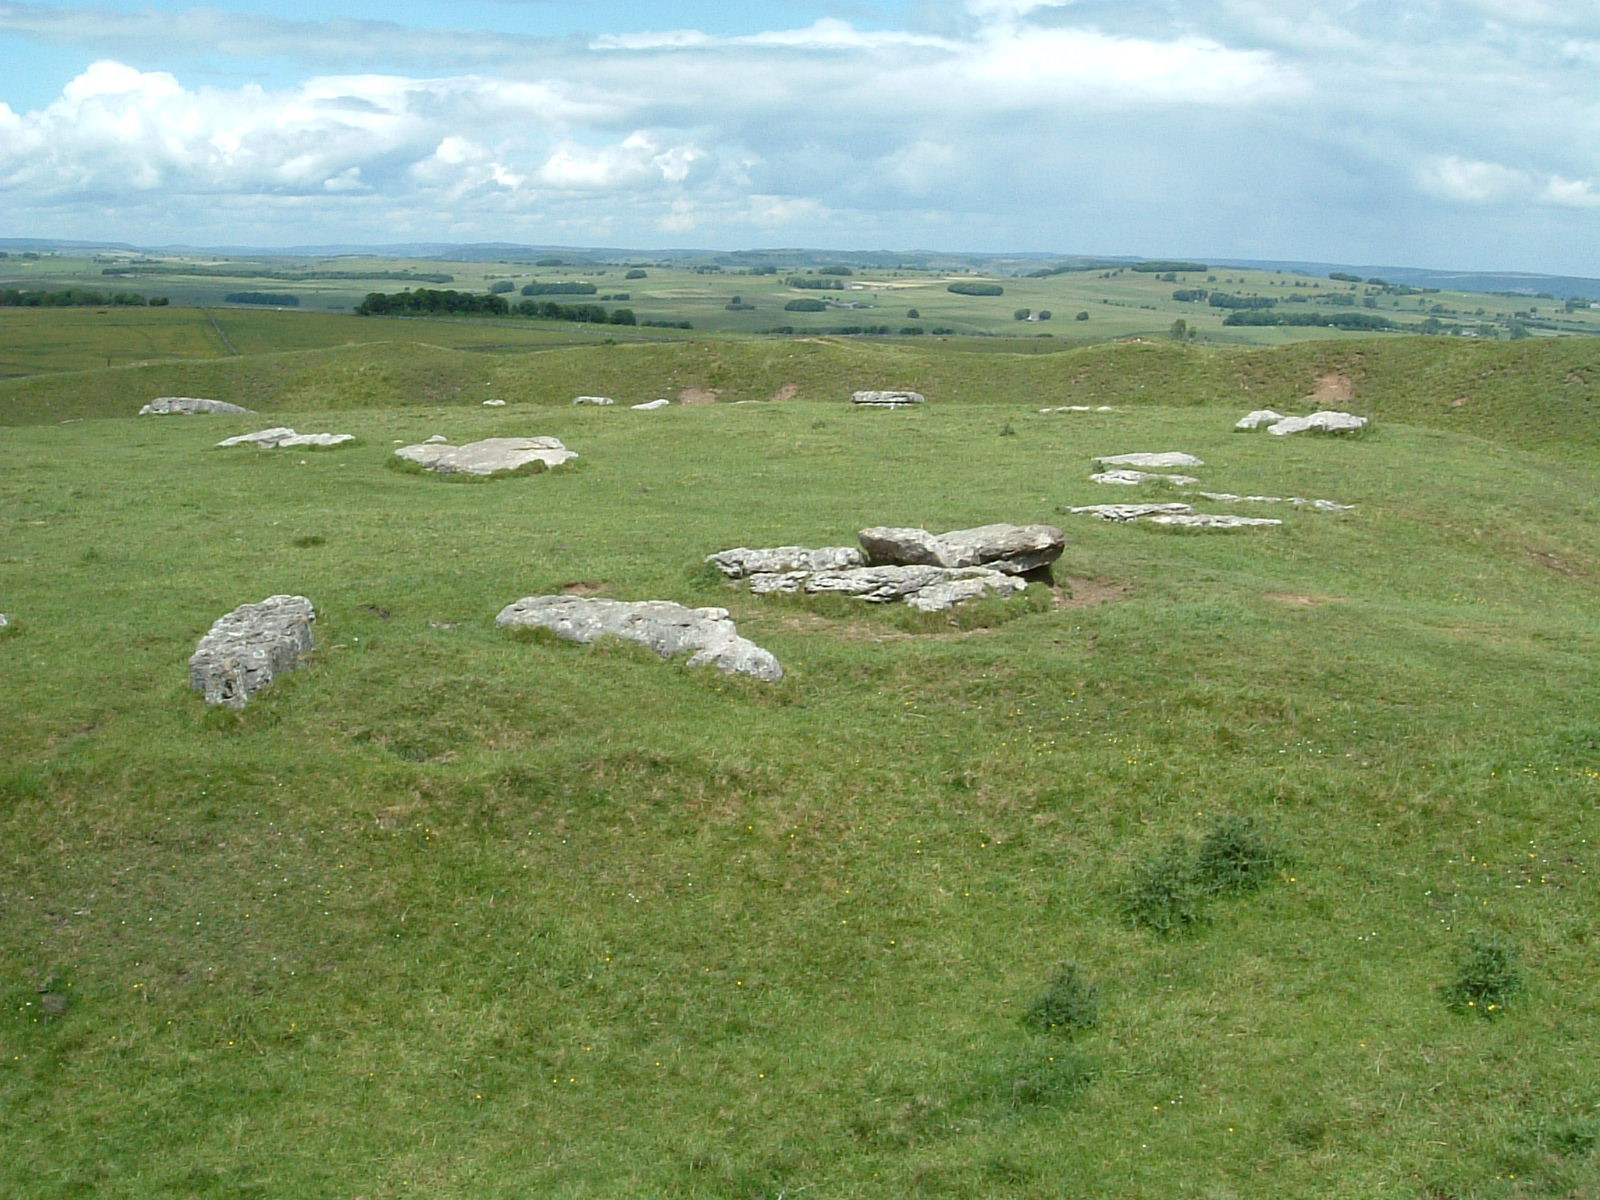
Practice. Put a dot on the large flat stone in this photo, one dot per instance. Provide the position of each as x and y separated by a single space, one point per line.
492 456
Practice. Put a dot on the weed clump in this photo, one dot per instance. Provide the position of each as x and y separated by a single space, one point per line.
1235 856
1166 892
1488 974
1163 892
1070 1005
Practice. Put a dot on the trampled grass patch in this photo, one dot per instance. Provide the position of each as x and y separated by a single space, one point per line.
452 912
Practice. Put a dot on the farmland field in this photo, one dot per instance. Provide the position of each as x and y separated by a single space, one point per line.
454 914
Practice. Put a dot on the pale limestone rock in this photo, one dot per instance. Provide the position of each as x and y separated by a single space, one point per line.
872 399
248 648
650 405
1326 421
283 436
188 405
491 456
1211 521
1124 476
494 404
598 401
1012 549
1297 501
1258 418
669 629
1130 512
742 562
1155 462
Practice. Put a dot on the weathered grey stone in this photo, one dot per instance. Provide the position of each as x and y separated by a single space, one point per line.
1130 512
669 629
283 436
1094 408
928 587
5 621
265 438
650 405
1297 501
437 439
186 405
1326 421
1161 461
488 457
1013 549
871 399
318 439
1124 476
248 648
1211 521
1258 418
601 401
741 562
494 404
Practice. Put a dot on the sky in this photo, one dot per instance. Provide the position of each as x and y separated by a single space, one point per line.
1457 134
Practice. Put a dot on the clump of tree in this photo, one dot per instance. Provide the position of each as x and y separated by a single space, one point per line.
1227 300
1344 277
814 283
1164 267
430 300
635 273
74 298
835 271
976 289
277 299
1365 321
501 287
559 289
805 306
1192 295
593 314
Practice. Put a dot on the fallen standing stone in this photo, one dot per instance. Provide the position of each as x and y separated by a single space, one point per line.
1012 549
667 628
1130 512
1124 476
650 405
742 562
283 437
872 399
1158 462
188 405
251 646
1211 521
1258 418
1326 421
598 401
492 456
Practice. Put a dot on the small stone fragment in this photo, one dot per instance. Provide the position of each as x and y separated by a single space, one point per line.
494 404
650 405
600 401
1255 420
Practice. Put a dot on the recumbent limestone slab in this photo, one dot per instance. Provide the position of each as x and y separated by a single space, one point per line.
251 646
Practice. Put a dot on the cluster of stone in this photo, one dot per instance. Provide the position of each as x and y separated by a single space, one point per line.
164 406
282 437
707 635
1326 421
492 456
928 571
251 646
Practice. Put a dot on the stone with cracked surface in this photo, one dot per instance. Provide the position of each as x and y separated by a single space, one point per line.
886 399
669 629
491 456
1130 512
1012 549
1210 521
1258 418
1123 475
251 646
742 562
1326 421
1153 461
163 406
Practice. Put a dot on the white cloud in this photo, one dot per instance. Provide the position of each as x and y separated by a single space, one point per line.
1469 181
637 161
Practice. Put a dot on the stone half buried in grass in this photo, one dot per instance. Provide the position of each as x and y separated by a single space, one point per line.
882 399
742 562
164 406
1327 421
492 456
1164 460
251 646
928 588
669 629
283 438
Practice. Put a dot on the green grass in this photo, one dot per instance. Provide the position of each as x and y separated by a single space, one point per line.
451 914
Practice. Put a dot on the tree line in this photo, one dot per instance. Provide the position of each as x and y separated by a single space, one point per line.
76 298
432 300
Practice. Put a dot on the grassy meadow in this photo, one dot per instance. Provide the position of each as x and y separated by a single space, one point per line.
450 914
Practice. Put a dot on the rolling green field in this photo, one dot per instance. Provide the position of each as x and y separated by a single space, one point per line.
447 913
1115 303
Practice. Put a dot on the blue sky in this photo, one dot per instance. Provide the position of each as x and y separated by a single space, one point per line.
1444 133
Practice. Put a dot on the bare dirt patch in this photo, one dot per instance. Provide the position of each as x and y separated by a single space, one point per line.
694 395
1335 387
582 587
1554 562
787 392
1084 593
1301 601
